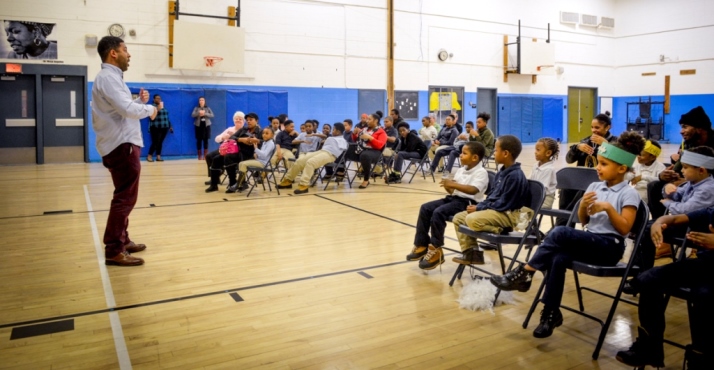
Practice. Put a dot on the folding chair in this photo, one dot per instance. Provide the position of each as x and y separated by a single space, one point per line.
571 178
621 270
255 174
527 237
420 163
380 160
340 163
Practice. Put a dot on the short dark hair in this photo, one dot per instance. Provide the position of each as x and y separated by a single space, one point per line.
288 122
339 127
453 116
326 124
476 148
604 118
470 123
395 111
347 120
484 116
251 115
155 95
511 144
107 44
403 124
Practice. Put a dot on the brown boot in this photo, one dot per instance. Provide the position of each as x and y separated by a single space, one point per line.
663 251
124 259
205 152
416 254
470 257
433 258
285 184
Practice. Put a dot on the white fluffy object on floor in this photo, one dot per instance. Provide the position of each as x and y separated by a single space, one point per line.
478 295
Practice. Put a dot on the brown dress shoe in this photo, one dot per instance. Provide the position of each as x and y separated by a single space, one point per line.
133 247
124 259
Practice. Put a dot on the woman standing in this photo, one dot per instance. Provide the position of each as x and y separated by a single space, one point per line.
202 115
369 147
158 128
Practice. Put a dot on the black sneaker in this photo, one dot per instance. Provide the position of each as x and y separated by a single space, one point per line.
394 178
211 189
416 254
433 257
243 187
518 279
549 320
643 352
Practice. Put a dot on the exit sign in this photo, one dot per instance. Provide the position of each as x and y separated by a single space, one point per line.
13 68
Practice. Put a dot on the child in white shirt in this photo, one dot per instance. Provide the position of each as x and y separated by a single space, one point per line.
546 152
647 168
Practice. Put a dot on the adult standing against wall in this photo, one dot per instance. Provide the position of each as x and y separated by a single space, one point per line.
584 154
158 128
115 118
202 115
696 130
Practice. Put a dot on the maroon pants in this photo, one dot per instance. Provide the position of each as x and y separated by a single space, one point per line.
124 165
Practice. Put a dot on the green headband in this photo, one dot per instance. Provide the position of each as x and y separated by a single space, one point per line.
616 154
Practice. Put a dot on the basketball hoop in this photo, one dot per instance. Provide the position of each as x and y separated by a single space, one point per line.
212 61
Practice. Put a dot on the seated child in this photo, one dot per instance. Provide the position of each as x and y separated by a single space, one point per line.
467 188
547 150
501 211
334 147
452 151
695 194
308 140
284 145
608 208
428 131
410 147
261 157
647 168
654 284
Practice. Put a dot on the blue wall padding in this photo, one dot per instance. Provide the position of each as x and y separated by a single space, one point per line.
552 118
527 119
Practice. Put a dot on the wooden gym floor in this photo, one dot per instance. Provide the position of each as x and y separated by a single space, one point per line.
317 281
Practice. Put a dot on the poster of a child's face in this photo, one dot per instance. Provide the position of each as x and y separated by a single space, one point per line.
28 40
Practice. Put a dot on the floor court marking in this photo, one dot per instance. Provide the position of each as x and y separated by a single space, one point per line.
117 332
115 309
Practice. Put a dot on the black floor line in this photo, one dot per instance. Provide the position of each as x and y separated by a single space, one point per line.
218 292
153 303
41 329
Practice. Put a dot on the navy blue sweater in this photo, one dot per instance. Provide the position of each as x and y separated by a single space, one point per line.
510 191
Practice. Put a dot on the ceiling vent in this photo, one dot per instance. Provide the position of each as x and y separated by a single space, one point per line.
606 22
589 20
570 18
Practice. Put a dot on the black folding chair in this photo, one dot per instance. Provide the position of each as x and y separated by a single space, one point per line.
621 270
419 163
255 174
340 163
570 178
527 237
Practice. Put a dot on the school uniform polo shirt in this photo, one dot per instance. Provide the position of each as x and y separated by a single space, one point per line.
477 177
620 196
545 174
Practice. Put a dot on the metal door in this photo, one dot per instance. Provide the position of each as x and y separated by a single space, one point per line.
63 119
487 101
581 110
17 120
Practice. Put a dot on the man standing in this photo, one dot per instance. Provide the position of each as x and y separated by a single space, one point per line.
115 118
158 128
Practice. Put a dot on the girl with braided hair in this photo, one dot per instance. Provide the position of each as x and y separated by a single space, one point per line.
546 152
